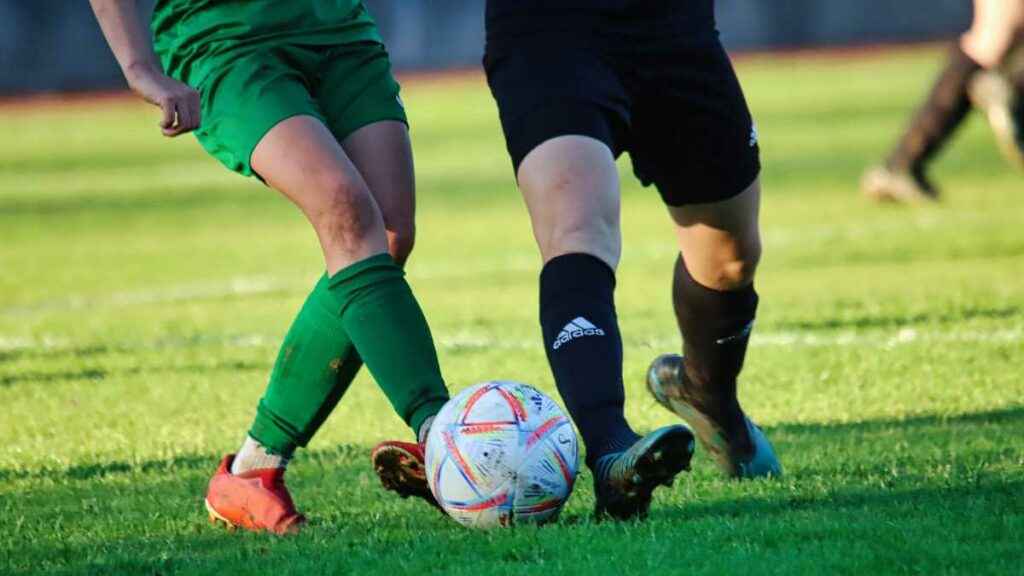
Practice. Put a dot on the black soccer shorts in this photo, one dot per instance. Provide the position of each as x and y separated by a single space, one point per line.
672 102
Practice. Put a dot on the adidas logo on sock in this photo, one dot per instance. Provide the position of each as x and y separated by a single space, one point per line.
578 328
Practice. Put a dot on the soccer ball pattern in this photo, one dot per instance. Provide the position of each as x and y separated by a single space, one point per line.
499 453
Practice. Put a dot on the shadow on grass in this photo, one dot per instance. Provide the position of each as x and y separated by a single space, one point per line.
99 374
842 498
1010 415
70 352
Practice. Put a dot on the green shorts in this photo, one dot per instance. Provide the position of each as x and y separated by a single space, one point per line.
249 90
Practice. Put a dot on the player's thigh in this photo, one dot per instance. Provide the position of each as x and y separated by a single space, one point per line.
301 158
564 115
997 25
721 241
998 14
571 188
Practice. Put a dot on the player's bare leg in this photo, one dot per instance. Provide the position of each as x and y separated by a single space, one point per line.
715 304
383 156
300 158
571 188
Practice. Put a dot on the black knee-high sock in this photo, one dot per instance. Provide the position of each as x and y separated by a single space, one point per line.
584 348
716 329
945 109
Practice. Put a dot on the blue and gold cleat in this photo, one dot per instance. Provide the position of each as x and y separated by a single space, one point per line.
667 382
624 481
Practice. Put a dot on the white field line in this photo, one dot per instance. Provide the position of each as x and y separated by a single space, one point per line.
239 286
481 341
882 339
250 286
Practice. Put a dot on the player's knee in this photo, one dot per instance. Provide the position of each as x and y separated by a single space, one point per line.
599 237
347 211
990 47
401 240
738 270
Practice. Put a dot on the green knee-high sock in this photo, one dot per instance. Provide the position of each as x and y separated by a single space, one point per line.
382 319
364 311
315 366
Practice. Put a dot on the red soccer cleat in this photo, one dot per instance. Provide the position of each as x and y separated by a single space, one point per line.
401 467
256 500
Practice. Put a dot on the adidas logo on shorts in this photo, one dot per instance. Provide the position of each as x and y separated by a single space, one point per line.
578 328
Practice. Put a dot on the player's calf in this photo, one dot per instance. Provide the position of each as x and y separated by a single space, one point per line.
715 327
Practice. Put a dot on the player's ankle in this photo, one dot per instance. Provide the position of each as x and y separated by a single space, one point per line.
255 456
424 430
734 425
612 444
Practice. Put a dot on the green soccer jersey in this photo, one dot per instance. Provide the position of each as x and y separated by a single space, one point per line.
185 31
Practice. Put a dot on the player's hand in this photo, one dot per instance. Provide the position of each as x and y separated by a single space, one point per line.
179 102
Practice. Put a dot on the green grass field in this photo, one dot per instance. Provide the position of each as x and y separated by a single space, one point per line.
144 290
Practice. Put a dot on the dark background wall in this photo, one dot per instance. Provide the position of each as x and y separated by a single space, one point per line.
48 45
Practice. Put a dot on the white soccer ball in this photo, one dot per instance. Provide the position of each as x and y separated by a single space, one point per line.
500 453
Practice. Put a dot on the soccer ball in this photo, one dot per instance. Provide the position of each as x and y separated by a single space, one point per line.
500 453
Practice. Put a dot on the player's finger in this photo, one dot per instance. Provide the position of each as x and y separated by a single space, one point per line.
167 107
185 115
174 128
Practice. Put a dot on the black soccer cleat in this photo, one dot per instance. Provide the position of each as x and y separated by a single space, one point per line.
624 481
